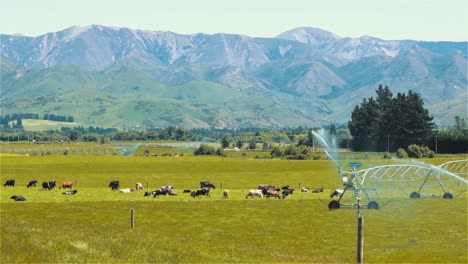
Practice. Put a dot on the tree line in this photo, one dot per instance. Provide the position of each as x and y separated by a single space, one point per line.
384 123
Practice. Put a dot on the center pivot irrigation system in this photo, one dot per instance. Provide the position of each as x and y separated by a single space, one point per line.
354 180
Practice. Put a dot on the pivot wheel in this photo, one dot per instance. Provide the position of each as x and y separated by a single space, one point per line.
414 195
334 205
447 196
373 205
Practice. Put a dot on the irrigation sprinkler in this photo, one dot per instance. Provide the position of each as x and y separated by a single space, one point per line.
353 183
354 180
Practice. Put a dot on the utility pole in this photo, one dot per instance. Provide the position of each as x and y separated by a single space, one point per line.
388 143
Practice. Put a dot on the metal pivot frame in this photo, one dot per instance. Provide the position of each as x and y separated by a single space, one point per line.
437 176
356 183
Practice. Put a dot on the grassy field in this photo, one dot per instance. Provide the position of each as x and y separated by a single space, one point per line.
94 225
43 125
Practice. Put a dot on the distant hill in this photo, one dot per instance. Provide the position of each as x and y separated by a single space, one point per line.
119 77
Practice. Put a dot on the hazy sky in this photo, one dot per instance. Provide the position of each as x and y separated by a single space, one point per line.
386 19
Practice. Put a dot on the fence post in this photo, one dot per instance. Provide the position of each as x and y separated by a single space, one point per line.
132 216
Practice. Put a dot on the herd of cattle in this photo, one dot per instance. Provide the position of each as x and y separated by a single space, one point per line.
263 190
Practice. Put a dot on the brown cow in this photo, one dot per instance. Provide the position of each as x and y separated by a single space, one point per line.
273 192
67 184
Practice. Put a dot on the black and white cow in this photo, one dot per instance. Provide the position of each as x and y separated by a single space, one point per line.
18 198
49 185
31 183
114 185
72 192
254 192
164 190
336 192
9 182
286 192
207 184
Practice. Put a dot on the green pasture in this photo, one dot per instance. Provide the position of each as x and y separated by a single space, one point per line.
44 125
94 225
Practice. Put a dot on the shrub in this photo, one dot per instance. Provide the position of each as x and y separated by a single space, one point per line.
401 153
414 151
387 155
205 150
277 152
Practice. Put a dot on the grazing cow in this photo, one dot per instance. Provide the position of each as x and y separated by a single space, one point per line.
265 186
305 189
48 185
269 190
138 186
18 198
9 182
319 190
127 190
207 184
200 192
45 185
148 193
114 185
72 192
226 194
252 193
336 192
31 183
289 188
67 184
52 184
187 191
273 192
286 192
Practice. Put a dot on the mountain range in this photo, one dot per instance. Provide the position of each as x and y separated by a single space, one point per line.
121 77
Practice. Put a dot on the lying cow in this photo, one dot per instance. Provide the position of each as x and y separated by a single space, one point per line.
72 192
9 182
31 183
207 184
319 190
164 190
67 184
127 190
138 186
200 192
252 193
18 198
114 185
305 189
